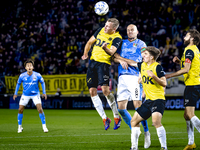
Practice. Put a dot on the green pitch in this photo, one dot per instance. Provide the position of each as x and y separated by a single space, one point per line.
84 130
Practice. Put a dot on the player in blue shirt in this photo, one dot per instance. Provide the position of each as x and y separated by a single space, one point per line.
30 81
128 86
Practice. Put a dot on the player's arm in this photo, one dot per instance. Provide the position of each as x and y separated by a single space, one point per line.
41 80
89 44
160 78
113 48
17 87
189 55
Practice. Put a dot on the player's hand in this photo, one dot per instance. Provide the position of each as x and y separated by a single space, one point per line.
104 46
44 96
85 56
14 96
124 64
176 60
150 73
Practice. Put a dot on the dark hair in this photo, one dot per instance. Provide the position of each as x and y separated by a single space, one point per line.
29 61
155 52
194 34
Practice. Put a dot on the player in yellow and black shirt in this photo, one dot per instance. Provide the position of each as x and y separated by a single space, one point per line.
153 81
99 67
190 69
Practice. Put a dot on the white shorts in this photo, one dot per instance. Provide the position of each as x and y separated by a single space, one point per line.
25 99
128 88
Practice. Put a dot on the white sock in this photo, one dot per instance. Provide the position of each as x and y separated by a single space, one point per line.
196 122
111 101
162 136
135 133
44 126
99 107
19 126
190 131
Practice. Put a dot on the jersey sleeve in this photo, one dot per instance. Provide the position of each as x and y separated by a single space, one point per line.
96 33
189 55
19 81
139 64
116 42
160 72
41 80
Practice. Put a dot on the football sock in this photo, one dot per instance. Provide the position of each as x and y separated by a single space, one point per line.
162 136
98 106
144 124
135 133
190 131
42 117
126 116
196 122
111 101
20 117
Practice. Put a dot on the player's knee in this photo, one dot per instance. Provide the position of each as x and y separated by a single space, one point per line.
20 110
106 92
93 92
157 124
40 110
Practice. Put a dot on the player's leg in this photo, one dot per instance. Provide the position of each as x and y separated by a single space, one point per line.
147 135
111 101
188 114
123 112
103 81
191 95
37 101
158 107
92 83
142 113
22 103
122 100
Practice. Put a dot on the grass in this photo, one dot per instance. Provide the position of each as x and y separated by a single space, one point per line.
84 130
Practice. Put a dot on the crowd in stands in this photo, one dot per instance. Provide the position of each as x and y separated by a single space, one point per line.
54 32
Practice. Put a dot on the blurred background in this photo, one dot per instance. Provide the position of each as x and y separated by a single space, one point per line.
54 32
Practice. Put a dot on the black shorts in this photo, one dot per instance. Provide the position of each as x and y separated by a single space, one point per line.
149 107
191 95
97 74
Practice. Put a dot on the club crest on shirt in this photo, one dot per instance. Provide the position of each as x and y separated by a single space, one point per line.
34 78
134 44
110 39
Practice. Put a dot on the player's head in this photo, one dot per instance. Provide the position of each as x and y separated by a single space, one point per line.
132 32
111 25
192 37
151 53
29 65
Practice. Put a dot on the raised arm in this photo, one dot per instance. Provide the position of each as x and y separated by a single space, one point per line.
88 47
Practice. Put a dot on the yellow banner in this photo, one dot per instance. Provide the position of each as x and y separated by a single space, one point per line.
68 84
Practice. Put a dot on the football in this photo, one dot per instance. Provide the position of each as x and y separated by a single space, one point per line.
101 8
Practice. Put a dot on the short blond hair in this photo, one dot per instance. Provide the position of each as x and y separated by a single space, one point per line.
114 21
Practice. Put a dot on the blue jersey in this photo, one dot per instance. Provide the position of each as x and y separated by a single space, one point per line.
130 50
30 84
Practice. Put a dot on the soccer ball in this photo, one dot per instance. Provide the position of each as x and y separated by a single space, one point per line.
101 8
